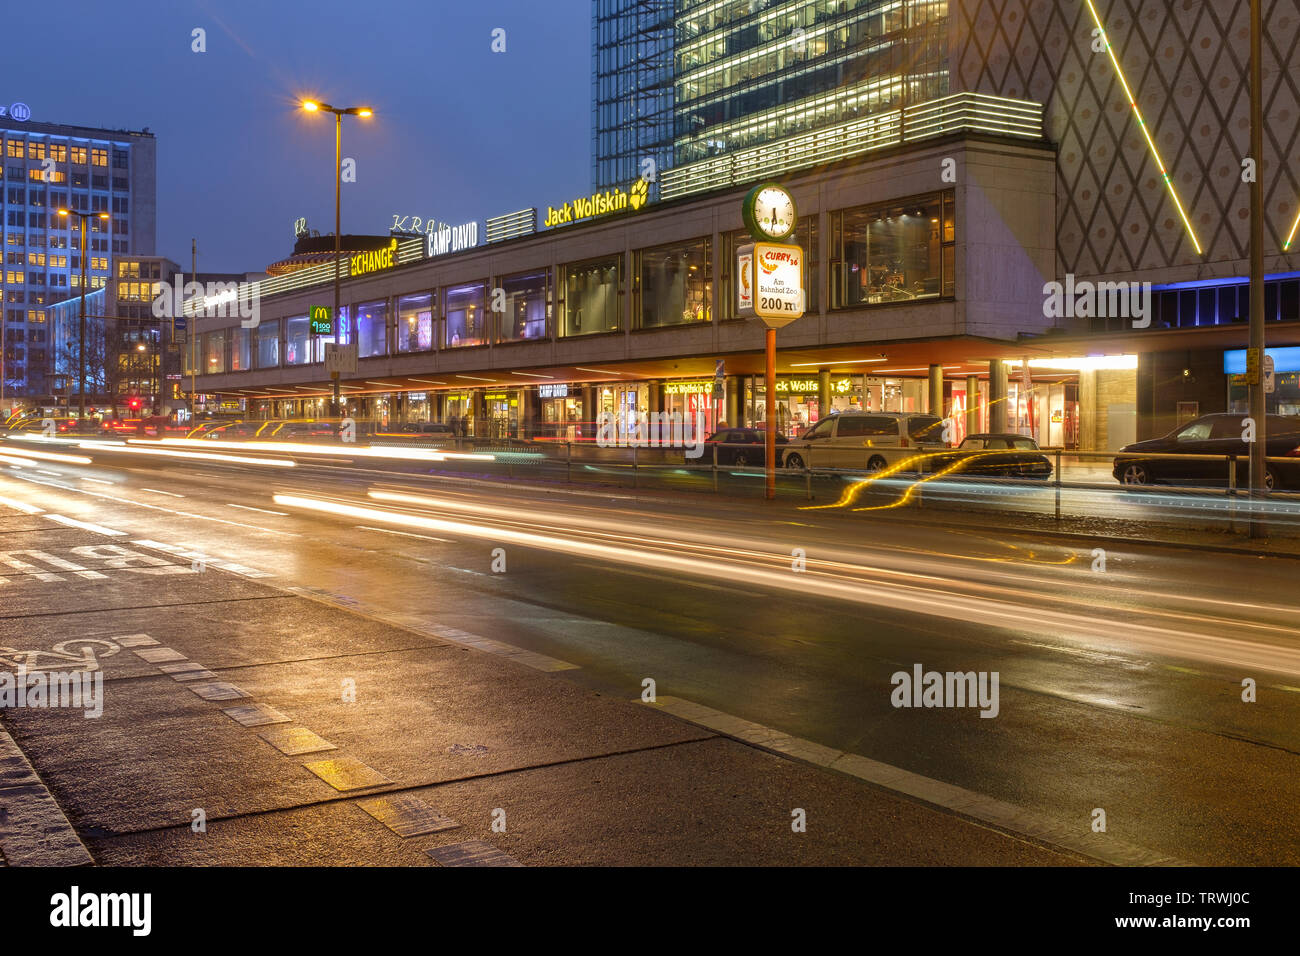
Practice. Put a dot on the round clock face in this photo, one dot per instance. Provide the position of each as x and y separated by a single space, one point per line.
772 212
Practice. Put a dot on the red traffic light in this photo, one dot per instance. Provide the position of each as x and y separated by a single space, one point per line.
133 403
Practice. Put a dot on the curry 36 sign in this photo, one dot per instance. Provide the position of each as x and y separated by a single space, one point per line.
770 282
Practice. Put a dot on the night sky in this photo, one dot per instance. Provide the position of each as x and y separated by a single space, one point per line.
460 133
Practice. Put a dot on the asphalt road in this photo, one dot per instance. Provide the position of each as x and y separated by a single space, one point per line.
1120 675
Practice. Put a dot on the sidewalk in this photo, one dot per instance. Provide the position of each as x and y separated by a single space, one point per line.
223 700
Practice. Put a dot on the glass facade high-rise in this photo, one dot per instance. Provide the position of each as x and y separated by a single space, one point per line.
46 166
747 72
632 89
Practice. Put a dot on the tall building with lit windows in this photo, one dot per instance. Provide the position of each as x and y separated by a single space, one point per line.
632 89
749 72
696 79
47 166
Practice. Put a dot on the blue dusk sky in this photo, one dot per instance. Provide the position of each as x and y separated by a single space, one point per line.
460 133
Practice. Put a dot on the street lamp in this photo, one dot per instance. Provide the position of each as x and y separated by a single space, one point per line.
81 350
311 106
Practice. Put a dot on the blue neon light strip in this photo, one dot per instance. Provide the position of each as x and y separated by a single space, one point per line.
1219 283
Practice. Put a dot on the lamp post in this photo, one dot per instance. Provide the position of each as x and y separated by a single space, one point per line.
81 335
312 106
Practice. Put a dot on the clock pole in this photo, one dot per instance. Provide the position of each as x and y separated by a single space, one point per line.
771 413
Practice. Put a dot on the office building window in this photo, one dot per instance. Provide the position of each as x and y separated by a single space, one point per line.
297 340
79 155
35 150
14 148
99 157
898 252
59 152
266 344
372 328
415 322
465 322
241 349
591 296
527 306
675 284
214 352
119 159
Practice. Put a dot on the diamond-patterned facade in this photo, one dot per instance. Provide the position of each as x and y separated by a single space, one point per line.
1187 63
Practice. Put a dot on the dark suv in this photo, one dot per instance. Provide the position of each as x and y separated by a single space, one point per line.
1219 434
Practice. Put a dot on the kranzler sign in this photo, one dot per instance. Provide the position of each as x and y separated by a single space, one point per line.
364 263
599 204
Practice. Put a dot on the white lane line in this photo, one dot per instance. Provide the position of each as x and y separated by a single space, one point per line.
405 534
86 525
155 491
98 481
22 506
140 504
283 514
1100 846
52 474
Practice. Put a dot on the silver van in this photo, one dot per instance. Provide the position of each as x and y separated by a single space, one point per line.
865 441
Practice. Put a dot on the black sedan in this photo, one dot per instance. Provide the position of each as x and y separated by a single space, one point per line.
1220 434
740 446
990 455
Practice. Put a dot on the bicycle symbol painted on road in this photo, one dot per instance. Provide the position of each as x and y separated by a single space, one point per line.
77 656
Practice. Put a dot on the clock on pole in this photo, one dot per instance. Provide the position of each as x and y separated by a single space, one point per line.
770 213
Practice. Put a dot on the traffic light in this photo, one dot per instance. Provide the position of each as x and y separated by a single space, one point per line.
133 403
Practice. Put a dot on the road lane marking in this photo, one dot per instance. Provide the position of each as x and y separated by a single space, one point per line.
347 773
156 491
1100 846
118 499
52 474
405 534
86 526
191 555
283 514
98 481
22 506
472 853
295 741
407 815
217 690
255 715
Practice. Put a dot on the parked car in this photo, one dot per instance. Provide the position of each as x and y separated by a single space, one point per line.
1218 434
996 455
866 441
741 447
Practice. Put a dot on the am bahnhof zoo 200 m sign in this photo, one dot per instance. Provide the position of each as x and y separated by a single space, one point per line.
770 272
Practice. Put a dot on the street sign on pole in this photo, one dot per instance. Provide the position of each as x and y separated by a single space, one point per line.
340 359
1252 366
1269 382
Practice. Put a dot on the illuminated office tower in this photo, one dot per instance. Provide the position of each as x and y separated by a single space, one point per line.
748 72
47 166
632 89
